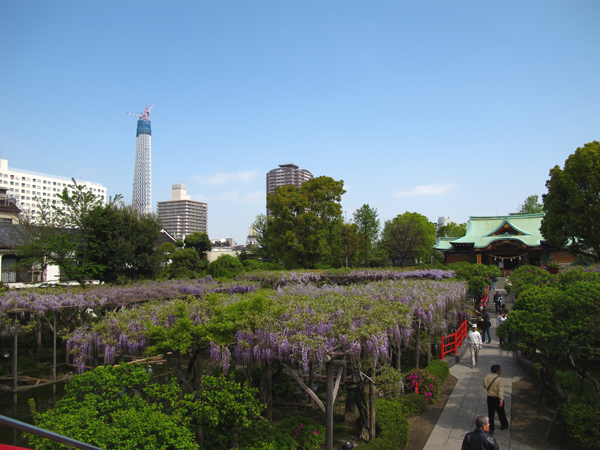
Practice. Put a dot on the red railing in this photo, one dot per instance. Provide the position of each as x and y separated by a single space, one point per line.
451 342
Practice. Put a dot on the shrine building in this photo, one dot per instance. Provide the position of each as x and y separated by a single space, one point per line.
506 241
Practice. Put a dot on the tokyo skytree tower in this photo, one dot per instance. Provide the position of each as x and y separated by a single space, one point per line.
142 177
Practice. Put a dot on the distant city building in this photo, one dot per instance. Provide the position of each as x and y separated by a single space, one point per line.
26 190
285 175
443 221
228 243
181 216
225 246
142 177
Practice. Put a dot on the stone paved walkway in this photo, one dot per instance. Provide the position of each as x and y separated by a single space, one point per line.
469 398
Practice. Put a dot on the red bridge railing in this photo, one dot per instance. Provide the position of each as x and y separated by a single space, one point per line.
451 342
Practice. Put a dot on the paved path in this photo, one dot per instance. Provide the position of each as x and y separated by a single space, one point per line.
469 398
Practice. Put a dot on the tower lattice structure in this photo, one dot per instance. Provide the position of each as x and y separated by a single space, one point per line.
142 177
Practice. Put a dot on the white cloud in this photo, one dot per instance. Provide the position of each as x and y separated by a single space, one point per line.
431 189
221 178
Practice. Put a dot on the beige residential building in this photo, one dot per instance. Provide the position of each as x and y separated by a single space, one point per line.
181 216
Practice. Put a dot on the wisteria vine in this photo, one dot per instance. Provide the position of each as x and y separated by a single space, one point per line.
303 324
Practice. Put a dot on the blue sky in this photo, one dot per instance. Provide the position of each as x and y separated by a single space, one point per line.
445 108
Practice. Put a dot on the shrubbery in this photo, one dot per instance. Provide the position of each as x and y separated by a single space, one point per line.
289 434
413 404
392 427
225 266
581 416
581 419
389 384
439 368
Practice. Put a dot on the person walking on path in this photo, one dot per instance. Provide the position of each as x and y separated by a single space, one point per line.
474 342
499 321
495 397
485 324
480 439
497 301
494 279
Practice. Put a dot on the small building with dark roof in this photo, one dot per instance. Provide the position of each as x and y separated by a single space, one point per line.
11 237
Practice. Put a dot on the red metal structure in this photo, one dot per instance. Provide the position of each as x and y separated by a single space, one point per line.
145 115
451 342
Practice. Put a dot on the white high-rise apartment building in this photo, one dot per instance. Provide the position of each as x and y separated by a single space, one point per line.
26 188
181 216
443 221
286 174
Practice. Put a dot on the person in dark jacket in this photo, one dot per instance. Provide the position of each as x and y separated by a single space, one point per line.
485 323
480 439
497 301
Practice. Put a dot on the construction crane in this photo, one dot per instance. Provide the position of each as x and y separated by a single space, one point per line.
145 115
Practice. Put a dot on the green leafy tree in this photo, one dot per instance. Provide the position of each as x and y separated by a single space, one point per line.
351 243
369 226
118 408
122 241
225 266
187 338
408 235
186 259
164 253
475 275
262 233
452 230
60 236
199 242
226 408
185 263
572 203
527 276
306 222
557 324
532 205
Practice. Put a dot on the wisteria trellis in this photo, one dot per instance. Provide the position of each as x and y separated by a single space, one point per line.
38 302
305 323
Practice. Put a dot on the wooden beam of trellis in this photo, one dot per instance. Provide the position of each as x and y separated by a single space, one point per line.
308 390
337 382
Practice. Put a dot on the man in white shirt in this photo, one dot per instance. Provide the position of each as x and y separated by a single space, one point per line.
474 342
500 320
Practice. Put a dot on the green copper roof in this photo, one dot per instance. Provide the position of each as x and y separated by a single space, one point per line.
484 230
